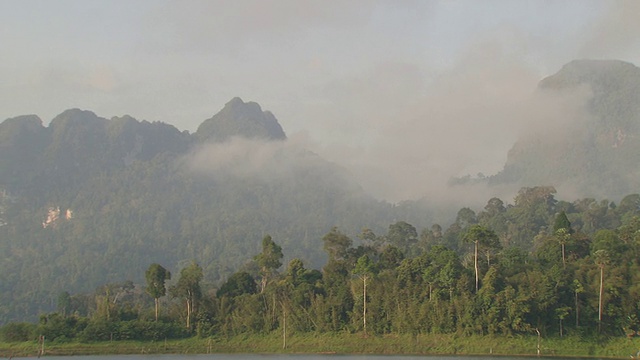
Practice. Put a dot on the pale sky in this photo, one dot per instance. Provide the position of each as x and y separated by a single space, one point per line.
407 93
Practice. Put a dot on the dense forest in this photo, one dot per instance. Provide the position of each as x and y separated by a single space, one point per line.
580 278
88 201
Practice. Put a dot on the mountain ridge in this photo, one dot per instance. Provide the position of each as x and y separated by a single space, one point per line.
88 201
594 156
119 194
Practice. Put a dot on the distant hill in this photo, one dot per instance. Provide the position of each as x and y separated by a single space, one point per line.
597 155
87 200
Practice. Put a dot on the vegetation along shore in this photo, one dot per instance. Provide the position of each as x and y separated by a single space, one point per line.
345 343
575 294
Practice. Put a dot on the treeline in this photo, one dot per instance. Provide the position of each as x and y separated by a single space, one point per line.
581 276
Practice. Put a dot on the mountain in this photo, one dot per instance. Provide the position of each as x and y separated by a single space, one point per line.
238 118
87 201
595 154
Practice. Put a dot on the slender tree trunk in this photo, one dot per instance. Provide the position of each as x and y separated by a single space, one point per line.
364 300
263 283
189 309
600 298
577 311
564 264
475 263
284 327
156 302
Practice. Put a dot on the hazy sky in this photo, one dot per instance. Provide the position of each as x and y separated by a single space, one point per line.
405 94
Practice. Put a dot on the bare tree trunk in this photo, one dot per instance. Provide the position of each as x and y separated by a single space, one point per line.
364 300
157 301
600 298
577 310
475 263
284 327
189 314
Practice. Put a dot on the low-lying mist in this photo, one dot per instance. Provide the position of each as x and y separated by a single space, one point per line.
409 146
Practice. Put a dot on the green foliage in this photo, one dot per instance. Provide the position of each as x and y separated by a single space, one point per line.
336 244
188 288
562 222
594 292
402 235
100 330
17 332
541 261
364 266
136 198
156 277
56 327
238 284
269 260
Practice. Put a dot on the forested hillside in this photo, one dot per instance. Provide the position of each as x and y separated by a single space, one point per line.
579 277
593 147
87 201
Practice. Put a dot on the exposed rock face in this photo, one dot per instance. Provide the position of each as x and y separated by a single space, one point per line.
596 156
238 118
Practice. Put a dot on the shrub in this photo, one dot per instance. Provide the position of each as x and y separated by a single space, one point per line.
17 332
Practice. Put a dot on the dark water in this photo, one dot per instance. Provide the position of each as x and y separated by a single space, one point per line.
283 357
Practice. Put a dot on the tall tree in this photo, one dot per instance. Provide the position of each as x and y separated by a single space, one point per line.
269 260
156 276
188 288
402 235
562 222
602 259
466 217
562 231
577 290
336 244
562 235
238 284
480 236
364 270
335 274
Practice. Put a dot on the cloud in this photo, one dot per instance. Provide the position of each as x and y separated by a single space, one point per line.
615 34
202 25
402 94
404 133
257 159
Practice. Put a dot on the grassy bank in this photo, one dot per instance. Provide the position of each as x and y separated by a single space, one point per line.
344 343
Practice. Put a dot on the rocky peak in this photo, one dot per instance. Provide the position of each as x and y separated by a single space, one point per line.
239 118
600 74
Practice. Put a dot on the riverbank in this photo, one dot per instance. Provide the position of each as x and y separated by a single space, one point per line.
345 343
